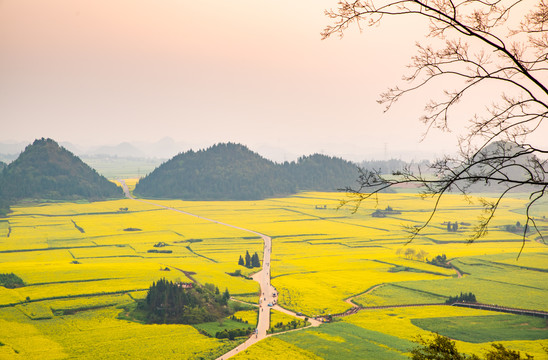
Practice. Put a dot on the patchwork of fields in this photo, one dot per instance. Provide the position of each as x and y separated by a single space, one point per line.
84 262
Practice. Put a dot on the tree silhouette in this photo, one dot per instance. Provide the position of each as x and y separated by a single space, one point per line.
247 259
496 45
255 261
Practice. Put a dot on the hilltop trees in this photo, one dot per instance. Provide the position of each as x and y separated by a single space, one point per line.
233 172
47 171
494 47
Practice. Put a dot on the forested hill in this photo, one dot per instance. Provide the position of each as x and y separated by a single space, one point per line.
222 172
321 173
44 170
233 172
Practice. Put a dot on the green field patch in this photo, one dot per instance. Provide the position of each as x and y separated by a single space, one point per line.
35 311
480 329
280 322
247 298
246 316
212 328
72 306
348 341
487 291
390 294
103 251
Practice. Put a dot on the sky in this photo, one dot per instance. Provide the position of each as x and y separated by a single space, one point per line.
102 72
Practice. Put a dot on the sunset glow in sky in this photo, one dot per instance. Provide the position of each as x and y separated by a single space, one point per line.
202 72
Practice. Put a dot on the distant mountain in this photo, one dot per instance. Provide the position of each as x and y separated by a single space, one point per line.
233 172
164 148
2 166
44 170
12 148
124 149
514 164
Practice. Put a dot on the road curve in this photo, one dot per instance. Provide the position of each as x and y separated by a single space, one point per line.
262 277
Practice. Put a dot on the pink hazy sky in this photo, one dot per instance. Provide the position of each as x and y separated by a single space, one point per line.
201 72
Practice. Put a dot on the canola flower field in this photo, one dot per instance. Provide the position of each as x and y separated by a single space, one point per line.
83 263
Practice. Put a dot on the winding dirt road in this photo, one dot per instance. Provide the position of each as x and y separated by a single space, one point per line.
262 277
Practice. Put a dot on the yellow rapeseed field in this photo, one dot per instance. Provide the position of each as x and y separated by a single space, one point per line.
81 261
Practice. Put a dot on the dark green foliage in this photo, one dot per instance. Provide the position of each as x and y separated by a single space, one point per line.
452 227
499 352
255 262
517 228
438 348
440 260
291 325
170 303
250 261
11 281
4 205
387 211
321 173
160 251
226 296
466 297
233 333
132 229
78 227
442 348
233 172
47 171
247 259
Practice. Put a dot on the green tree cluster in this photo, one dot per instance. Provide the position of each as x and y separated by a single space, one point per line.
452 227
517 228
233 172
250 261
440 260
11 281
280 326
463 297
233 333
170 303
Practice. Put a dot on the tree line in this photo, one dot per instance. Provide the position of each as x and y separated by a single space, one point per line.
463 297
